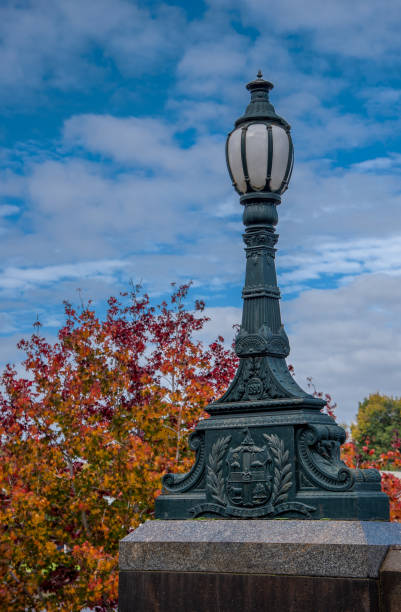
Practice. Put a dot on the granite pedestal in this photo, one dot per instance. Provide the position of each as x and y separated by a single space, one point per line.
261 565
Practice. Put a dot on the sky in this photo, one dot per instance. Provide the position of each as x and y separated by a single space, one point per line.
114 116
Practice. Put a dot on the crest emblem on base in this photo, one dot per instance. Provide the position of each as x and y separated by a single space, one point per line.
249 478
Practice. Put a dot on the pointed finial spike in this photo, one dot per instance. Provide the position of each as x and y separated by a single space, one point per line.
259 75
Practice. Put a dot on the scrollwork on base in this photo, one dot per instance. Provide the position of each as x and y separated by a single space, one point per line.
179 483
319 456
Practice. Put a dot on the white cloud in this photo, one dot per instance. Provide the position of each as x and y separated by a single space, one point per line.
348 339
344 258
53 43
77 209
368 30
7 209
24 278
215 66
138 141
146 143
208 66
222 320
378 164
329 204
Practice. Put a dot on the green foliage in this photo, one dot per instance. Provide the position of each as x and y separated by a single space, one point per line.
378 424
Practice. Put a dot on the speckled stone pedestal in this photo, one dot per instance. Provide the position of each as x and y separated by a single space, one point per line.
261 565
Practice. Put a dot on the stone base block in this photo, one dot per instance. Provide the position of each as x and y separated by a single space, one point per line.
257 566
202 592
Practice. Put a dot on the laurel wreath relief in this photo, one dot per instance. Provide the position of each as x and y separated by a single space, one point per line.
282 480
214 474
282 469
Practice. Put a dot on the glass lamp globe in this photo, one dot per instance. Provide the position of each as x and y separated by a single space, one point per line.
259 151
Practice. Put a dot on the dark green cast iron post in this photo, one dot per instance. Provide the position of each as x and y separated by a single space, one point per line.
267 450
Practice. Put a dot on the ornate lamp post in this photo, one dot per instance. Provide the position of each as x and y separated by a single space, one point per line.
267 450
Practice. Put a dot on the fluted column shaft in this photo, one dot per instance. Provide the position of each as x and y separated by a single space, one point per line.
261 294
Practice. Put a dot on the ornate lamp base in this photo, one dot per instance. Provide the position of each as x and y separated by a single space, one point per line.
267 451
282 460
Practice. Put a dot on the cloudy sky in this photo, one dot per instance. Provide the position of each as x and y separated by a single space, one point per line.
114 118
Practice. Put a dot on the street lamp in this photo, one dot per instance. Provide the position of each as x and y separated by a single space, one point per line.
267 450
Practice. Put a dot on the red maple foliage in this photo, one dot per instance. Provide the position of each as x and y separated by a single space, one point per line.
354 457
85 437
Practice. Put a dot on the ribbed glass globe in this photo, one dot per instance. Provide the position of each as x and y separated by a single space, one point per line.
260 157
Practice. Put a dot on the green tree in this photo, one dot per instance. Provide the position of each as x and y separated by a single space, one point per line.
378 424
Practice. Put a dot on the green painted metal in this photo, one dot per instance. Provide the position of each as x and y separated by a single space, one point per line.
260 107
267 450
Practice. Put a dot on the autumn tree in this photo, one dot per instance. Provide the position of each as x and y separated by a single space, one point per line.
378 423
85 436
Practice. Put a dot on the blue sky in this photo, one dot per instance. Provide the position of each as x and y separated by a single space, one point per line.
114 118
